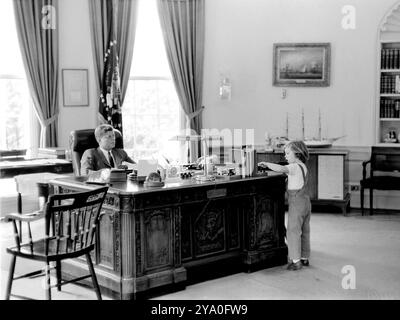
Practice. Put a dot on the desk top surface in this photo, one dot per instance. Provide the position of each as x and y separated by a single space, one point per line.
133 187
318 151
32 163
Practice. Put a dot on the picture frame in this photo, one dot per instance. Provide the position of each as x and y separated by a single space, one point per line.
75 87
301 64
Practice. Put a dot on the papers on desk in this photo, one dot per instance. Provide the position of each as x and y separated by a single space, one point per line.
146 166
100 176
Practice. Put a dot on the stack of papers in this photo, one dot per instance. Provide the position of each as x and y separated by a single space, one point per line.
146 166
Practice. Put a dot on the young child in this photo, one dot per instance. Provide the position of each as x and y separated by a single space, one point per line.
298 227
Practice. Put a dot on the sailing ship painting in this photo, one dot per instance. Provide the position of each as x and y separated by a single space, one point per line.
301 64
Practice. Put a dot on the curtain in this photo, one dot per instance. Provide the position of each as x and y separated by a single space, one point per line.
183 24
36 23
113 25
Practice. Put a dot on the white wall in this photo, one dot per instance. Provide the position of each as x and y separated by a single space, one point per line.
239 40
75 53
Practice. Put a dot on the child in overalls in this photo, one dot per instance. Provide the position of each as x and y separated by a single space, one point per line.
298 227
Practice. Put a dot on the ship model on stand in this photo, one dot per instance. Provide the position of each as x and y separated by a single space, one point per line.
310 143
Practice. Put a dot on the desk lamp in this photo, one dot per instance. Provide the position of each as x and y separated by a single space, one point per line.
187 139
206 176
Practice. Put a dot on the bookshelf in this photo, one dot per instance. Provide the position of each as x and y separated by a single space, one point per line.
389 93
388 77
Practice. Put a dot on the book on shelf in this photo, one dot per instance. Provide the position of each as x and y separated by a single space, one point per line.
385 65
390 58
389 84
392 84
397 84
397 109
389 109
386 87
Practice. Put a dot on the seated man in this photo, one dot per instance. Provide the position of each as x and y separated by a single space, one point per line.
106 155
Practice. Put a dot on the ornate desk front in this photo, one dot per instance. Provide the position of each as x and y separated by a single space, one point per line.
150 237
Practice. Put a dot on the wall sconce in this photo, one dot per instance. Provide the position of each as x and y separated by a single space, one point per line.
225 89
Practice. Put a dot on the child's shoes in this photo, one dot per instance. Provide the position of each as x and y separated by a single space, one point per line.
305 262
295 266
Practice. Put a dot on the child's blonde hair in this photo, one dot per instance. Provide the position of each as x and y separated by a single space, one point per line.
300 149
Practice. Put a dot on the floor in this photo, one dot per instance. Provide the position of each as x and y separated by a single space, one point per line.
353 258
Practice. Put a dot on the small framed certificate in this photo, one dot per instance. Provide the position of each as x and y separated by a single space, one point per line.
75 87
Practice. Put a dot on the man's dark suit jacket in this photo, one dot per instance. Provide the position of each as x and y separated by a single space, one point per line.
94 159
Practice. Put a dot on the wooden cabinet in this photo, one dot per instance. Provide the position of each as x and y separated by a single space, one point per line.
327 175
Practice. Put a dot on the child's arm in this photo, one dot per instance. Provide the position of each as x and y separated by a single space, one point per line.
274 166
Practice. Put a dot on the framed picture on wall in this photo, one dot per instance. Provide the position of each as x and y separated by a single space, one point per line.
301 64
75 87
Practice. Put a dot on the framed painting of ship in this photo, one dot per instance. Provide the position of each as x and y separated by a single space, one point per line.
301 64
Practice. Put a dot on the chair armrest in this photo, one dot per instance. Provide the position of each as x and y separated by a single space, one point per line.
26 217
364 166
364 163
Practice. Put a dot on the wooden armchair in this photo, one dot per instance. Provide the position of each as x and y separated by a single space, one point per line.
74 218
384 167
81 140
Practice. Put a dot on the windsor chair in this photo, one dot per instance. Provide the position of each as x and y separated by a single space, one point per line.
74 220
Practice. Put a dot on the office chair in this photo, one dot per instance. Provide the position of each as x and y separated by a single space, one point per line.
74 218
81 140
383 174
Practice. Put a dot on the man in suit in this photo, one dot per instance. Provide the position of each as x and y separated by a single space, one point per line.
106 155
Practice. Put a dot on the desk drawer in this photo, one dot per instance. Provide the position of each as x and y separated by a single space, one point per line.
154 200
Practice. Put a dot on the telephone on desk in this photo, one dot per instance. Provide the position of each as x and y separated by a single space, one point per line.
192 166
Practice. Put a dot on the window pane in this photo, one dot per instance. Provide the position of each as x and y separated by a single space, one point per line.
14 114
149 122
151 110
10 55
15 105
150 58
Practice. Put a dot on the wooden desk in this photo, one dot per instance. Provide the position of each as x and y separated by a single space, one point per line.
151 237
9 169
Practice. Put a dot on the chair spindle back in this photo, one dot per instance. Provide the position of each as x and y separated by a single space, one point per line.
75 218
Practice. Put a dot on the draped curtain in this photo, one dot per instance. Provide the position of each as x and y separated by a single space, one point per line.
113 25
36 23
183 24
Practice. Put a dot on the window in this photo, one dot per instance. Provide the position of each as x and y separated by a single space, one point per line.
151 110
16 112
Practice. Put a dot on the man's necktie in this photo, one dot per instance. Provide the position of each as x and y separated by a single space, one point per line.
110 159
